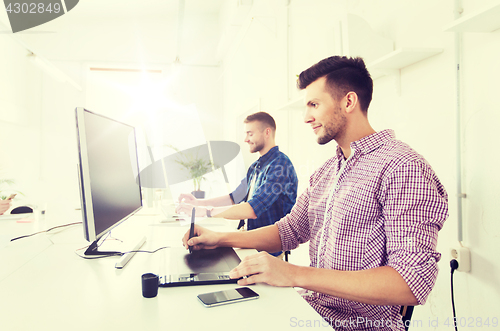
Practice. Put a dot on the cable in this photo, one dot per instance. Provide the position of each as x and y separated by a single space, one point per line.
101 241
106 238
119 254
454 266
149 252
55 227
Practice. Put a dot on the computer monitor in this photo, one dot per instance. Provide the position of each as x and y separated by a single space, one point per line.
110 188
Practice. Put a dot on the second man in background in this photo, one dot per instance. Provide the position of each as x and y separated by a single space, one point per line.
266 194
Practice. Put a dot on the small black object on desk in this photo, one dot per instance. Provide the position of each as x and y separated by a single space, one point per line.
149 285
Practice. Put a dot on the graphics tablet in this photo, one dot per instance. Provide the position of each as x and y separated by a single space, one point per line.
203 267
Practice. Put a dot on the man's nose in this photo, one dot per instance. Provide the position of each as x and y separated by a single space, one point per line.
308 118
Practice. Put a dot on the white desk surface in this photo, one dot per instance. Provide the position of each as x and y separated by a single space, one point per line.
44 285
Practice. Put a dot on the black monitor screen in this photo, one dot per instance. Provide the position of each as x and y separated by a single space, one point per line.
110 189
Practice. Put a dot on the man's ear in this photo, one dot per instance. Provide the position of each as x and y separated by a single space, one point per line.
351 101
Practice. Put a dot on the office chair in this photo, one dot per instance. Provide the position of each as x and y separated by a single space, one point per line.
406 312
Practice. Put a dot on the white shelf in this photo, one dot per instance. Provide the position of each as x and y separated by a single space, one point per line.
294 104
484 20
399 59
403 57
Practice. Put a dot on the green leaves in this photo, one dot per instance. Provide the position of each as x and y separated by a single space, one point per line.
196 166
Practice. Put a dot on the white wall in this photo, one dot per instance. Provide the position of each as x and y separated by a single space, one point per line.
20 95
481 295
419 105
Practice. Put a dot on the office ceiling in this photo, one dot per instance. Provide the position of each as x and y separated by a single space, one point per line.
142 8
152 31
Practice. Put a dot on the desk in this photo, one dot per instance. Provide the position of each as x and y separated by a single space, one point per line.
44 285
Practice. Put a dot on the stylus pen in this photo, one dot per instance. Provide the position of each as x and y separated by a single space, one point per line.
191 231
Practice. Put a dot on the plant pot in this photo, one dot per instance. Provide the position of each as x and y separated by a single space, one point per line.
198 194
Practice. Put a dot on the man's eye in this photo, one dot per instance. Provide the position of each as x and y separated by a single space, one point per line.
314 105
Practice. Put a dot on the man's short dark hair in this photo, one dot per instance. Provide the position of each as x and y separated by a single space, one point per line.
343 75
263 118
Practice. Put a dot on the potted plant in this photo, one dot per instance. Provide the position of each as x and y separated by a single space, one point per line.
196 166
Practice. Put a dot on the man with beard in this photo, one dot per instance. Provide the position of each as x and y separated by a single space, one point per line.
266 194
371 213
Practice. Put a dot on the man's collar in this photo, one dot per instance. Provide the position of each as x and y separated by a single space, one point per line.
269 155
369 143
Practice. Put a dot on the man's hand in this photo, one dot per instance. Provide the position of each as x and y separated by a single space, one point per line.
203 239
5 205
187 209
188 198
264 268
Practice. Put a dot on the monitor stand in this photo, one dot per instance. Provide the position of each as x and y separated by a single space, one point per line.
93 250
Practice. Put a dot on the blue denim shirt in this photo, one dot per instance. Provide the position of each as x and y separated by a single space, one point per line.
275 189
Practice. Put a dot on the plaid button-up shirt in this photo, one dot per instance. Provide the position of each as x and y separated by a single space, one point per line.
383 206
275 188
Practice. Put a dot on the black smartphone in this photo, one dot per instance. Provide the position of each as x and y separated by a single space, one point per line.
229 296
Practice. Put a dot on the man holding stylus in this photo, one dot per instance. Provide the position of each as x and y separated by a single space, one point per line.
371 213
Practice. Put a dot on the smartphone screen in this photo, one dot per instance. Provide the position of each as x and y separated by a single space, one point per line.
228 296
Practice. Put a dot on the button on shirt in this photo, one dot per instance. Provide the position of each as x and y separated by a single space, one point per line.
383 206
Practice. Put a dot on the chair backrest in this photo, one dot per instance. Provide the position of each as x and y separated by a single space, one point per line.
406 312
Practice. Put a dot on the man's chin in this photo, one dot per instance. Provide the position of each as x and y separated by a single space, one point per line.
254 149
323 140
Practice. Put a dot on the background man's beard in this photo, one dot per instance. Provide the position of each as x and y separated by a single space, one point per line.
256 147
